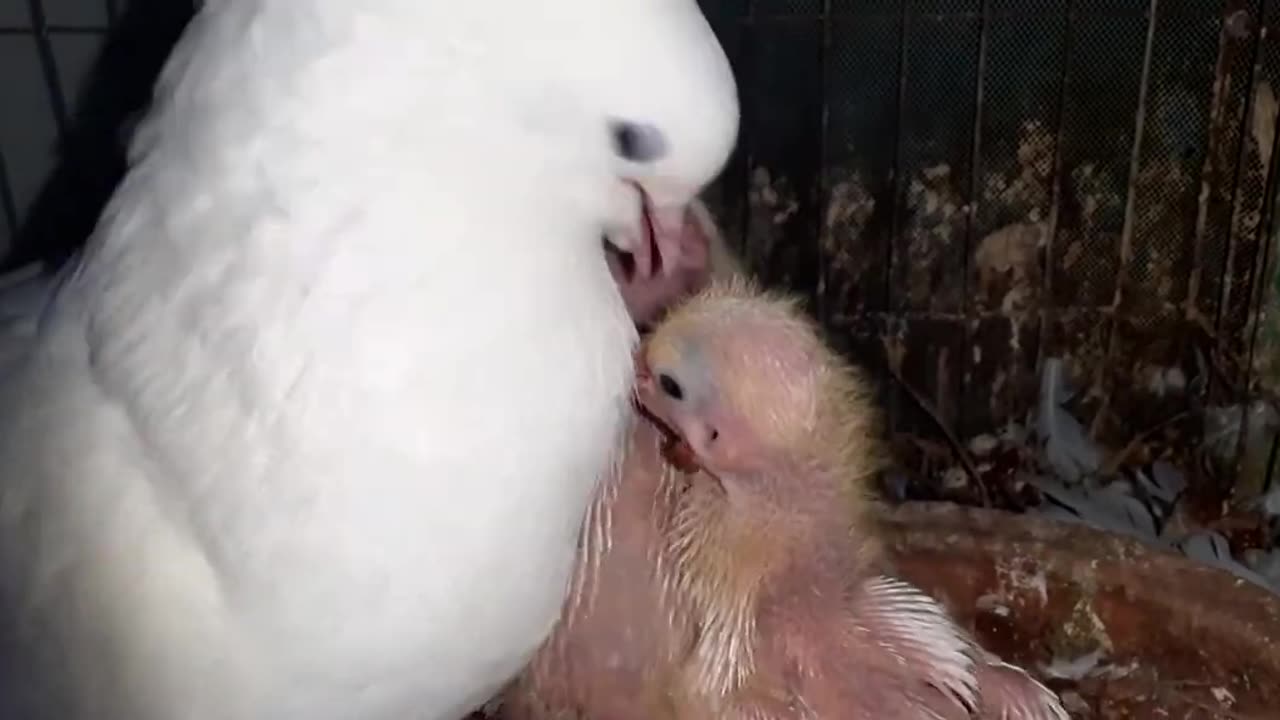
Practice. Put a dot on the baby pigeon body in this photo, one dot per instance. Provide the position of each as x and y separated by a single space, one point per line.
763 558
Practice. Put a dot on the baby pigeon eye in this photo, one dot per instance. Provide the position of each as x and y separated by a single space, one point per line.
637 142
670 387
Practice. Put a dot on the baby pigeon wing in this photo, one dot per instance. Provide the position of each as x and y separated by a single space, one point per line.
1009 693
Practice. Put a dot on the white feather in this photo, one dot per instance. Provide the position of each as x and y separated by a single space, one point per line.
311 429
1028 699
917 630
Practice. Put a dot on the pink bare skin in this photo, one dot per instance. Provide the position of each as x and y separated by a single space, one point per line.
618 635
686 264
749 582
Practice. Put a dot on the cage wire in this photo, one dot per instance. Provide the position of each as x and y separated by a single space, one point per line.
964 188
959 188
43 48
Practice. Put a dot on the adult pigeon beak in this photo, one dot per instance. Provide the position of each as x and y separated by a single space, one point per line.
658 246
663 246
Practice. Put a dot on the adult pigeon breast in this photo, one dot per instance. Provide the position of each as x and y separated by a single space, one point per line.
310 428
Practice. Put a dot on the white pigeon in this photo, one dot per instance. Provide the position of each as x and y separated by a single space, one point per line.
310 429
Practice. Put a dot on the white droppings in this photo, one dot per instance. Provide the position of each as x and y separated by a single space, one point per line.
1013 578
1076 668
993 604
1223 696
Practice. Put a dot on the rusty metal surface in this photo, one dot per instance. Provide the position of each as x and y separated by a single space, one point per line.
1175 639
993 181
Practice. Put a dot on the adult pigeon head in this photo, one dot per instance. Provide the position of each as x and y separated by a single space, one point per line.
648 90
670 135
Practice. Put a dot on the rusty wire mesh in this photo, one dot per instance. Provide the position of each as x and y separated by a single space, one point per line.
998 181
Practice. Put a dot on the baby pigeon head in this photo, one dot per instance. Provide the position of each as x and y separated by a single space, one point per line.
745 381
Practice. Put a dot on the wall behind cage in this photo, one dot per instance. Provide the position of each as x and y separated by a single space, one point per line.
46 50
960 187
72 74
965 187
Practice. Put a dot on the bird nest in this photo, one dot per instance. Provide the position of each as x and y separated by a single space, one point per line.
1118 628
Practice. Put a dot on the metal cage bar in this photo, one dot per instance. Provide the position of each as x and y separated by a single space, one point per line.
7 202
49 66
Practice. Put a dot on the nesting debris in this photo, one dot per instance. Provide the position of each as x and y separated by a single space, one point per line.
1067 448
1053 466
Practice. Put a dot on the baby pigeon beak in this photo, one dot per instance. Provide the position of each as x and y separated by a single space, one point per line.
675 449
644 377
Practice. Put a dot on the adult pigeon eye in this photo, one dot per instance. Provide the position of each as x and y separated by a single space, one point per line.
670 387
637 142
